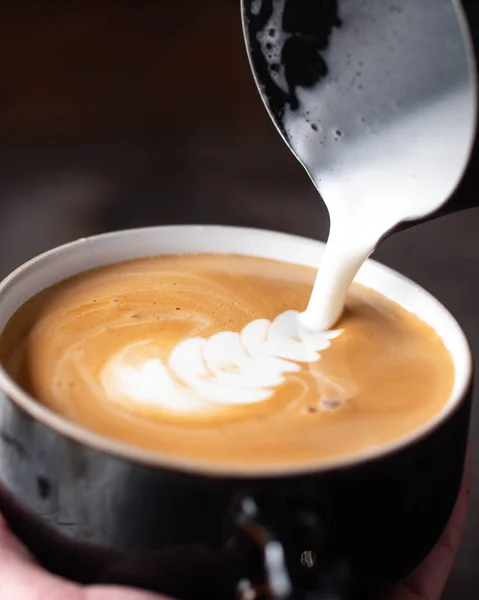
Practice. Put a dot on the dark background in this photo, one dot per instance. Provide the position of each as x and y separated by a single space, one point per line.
128 113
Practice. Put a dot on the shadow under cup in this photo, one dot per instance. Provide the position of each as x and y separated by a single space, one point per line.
94 510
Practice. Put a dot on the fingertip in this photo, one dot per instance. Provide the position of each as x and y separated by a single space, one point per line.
11 549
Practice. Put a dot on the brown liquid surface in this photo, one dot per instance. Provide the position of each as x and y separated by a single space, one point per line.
387 374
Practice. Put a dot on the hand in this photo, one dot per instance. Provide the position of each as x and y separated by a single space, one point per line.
21 578
429 581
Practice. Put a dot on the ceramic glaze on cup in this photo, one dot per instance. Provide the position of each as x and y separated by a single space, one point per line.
95 510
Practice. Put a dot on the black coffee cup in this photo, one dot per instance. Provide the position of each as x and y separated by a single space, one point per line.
97 511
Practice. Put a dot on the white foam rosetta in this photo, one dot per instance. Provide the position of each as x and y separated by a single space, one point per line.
226 369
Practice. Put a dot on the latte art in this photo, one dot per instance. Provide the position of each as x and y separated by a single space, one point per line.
202 357
227 368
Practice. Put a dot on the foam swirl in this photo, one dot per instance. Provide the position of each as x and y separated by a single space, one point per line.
226 369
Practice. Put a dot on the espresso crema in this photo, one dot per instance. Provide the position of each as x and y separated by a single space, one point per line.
203 357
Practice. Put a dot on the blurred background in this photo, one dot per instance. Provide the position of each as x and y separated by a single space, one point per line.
126 113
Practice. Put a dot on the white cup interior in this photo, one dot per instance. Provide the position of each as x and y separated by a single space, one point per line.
65 261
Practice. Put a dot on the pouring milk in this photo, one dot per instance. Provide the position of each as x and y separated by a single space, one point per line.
378 101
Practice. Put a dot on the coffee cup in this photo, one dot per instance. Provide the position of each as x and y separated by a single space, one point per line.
99 511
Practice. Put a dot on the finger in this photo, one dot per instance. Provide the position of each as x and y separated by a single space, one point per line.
9 545
21 578
429 580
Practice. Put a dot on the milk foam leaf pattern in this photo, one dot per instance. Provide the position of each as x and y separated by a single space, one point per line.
229 368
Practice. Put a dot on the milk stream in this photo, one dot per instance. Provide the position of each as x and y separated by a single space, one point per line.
366 198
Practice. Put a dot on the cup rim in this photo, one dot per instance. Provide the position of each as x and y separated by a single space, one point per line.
255 237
